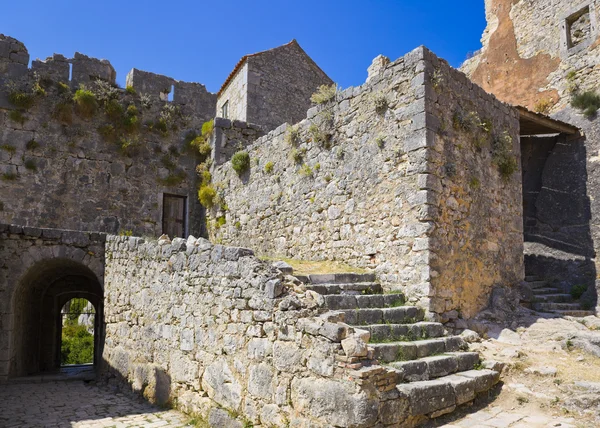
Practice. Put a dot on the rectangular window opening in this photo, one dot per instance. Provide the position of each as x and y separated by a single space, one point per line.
225 110
174 221
579 27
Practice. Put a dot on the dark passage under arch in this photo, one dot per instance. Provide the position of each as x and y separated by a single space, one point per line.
41 294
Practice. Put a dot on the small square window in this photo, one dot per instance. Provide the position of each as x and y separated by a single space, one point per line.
225 110
579 28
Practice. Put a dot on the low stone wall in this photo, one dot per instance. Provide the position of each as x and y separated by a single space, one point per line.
200 325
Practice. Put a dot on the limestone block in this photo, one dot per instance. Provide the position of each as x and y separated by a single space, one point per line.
221 385
261 381
354 346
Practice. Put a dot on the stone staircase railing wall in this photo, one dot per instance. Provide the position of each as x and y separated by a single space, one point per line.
199 325
400 176
61 169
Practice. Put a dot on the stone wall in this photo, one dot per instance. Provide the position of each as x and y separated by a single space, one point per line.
538 54
384 178
475 209
350 198
33 263
230 136
202 325
105 171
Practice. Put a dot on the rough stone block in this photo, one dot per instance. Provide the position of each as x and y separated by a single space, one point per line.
273 288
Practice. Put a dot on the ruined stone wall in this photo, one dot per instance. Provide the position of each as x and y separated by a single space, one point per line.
202 325
31 259
475 207
104 171
280 83
236 95
538 54
348 197
230 136
530 47
401 187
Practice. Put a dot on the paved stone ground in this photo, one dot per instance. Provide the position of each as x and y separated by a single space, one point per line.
498 417
77 405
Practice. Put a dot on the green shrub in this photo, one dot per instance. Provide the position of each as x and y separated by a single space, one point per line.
319 135
380 141
130 124
305 171
380 102
207 195
208 128
130 90
587 102
161 126
17 116
124 232
507 164
32 145
240 162
21 100
64 111
578 290
291 135
77 345
30 165
8 148
113 109
297 155
269 167
324 94
221 221
85 102
9 176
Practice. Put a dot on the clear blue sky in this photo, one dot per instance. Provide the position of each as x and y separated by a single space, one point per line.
201 41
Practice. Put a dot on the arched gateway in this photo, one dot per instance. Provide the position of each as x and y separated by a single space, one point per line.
45 269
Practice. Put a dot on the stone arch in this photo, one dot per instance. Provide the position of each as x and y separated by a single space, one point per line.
48 277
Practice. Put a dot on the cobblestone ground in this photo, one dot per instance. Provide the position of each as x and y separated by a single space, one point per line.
75 404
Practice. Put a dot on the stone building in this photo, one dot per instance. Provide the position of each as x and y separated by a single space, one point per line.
542 55
271 87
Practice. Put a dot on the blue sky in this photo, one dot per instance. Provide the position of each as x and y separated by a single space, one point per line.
201 41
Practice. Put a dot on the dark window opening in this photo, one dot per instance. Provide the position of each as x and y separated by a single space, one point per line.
225 110
579 27
77 320
174 215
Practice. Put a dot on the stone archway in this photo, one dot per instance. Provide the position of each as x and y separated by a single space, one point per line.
37 301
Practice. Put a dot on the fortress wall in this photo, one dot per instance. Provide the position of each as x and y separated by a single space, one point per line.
400 192
59 168
199 325
477 242
353 198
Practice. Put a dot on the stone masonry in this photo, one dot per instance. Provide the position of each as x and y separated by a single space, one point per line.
399 176
59 168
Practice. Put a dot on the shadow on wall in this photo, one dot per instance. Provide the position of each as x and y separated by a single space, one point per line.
556 211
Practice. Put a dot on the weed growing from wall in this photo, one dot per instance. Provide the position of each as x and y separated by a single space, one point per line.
587 102
324 94
240 162
85 102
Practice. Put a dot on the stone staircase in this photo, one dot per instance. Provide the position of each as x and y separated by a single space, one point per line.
552 300
433 369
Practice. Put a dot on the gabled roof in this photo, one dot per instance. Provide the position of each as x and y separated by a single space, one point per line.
532 123
241 62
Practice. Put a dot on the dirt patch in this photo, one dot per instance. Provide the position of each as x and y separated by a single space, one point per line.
502 72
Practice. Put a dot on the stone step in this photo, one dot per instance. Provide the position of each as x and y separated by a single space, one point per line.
549 306
574 313
351 288
545 290
337 278
399 315
349 301
532 278
440 396
428 368
411 350
554 298
401 332
537 284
